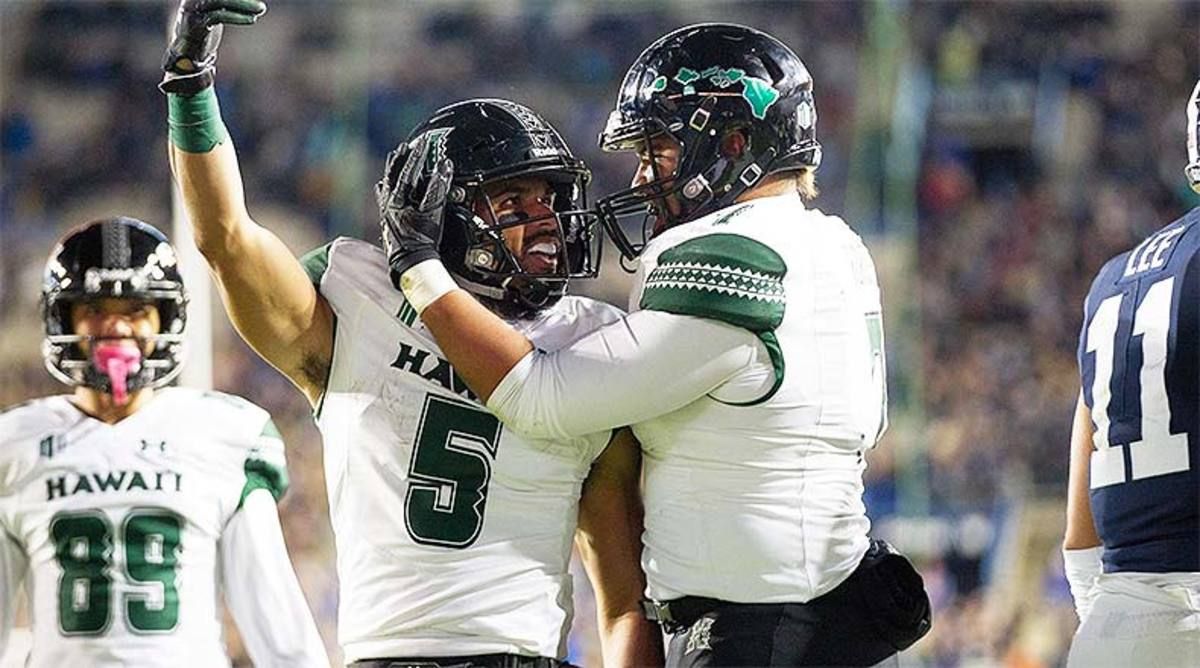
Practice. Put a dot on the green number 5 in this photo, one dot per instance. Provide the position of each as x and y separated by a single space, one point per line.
83 547
449 473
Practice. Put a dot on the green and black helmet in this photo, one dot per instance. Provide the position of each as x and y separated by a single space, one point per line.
696 85
491 140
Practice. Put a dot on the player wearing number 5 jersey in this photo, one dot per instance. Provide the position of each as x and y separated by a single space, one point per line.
751 366
1132 547
453 532
126 508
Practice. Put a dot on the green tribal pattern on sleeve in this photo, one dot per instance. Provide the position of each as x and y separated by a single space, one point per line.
726 277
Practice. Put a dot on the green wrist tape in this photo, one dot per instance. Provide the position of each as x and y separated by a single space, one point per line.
195 121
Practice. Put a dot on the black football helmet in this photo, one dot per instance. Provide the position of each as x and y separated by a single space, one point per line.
1193 139
490 140
695 85
118 258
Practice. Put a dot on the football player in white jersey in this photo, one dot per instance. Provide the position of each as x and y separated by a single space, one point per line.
127 506
453 532
1132 544
752 367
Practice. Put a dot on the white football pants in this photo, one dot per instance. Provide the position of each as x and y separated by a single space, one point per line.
1141 620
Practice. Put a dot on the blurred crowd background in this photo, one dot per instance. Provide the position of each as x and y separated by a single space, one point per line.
993 155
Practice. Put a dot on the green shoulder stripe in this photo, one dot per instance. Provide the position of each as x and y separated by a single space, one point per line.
315 262
726 277
263 475
269 430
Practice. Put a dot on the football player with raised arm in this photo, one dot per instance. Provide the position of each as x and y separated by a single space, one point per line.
126 506
453 532
751 367
1132 545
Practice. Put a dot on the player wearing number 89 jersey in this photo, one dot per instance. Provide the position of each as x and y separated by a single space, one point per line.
1132 547
124 507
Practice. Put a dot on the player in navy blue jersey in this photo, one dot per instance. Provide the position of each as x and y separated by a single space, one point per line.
1132 547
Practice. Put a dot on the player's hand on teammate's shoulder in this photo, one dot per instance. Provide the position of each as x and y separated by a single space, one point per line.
412 197
191 57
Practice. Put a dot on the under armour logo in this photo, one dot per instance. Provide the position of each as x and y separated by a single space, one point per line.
50 445
700 635
147 445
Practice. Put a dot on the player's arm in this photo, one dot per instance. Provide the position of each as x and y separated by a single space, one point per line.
260 585
647 364
601 381
482 347
13 566
262 591
270 299
609 540
1081 545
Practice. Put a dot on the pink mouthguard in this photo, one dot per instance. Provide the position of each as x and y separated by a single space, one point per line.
117 362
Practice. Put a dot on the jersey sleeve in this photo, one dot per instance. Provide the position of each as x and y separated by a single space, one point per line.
265 465
726 277
642 366
262 591
316 263
13 431
13 565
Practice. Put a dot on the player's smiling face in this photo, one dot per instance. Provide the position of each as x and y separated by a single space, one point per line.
536 245
122 321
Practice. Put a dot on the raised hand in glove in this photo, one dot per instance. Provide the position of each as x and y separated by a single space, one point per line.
412 199
191 58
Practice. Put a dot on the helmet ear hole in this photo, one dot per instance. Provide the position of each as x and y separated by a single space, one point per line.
734 143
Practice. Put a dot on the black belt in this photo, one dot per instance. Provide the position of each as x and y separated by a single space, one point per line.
680 613
477 661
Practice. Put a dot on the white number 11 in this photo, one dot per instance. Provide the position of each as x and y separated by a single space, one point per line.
1159 452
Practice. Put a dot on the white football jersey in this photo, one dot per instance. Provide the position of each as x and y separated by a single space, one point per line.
754 492
453 534
120 523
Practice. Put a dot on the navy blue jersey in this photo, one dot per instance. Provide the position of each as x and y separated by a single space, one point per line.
1138 358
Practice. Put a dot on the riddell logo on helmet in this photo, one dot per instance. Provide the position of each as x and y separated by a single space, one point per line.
758 93
94 279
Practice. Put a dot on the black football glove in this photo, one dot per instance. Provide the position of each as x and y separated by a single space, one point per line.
412 199
191 58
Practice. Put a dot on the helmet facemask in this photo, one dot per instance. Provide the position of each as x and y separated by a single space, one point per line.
483 229
707 176
656 201
139 274
1193 139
